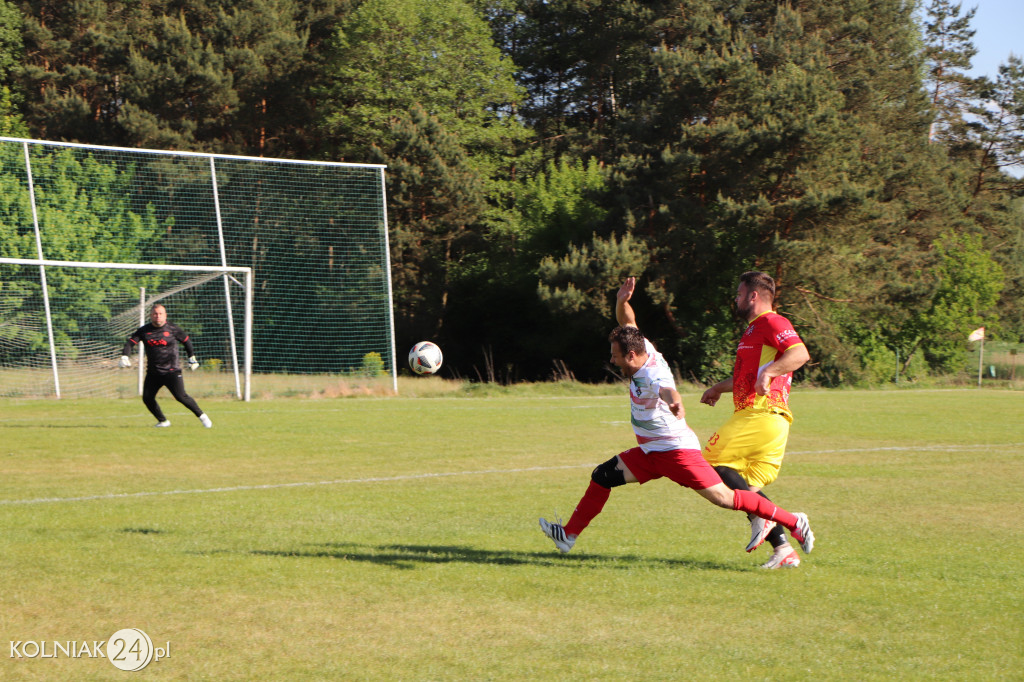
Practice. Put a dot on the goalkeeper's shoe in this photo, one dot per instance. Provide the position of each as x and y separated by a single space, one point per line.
803 533
206 420
162 425
787 558
759 529
555 531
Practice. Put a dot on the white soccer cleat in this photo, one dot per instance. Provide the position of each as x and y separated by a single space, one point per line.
803 533
162 425
555 531
759 529
784 559
206 420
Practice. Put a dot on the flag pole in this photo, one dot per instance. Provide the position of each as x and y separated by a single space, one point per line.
979 335
981 359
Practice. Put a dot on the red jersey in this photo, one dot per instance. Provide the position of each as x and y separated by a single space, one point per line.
764 341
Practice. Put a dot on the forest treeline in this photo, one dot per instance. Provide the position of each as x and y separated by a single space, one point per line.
540 151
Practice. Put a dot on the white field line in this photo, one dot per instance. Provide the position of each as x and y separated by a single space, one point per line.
417 477
297 484
916 448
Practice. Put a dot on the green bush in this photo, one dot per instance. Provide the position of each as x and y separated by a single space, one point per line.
373 365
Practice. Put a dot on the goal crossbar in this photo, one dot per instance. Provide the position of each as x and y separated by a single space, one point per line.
127 266
215 270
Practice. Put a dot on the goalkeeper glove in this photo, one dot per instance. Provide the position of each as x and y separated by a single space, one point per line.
193 364
124 361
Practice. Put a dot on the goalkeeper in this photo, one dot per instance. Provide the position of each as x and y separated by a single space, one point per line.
163 365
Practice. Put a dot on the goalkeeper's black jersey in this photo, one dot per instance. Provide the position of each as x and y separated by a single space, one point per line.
161 346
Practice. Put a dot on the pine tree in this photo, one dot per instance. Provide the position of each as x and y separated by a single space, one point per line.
582 64
948 52
436 198
997 129
214 75
11 53
792 140
421 85
746 158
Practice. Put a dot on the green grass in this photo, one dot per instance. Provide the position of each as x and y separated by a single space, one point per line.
396 538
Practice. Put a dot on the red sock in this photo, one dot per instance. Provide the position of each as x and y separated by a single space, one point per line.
589 507
753 503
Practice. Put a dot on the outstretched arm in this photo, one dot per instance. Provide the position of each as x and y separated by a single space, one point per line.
623 310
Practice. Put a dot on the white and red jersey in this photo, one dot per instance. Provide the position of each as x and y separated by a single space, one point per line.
656 428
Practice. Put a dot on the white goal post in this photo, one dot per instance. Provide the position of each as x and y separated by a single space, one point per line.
243 379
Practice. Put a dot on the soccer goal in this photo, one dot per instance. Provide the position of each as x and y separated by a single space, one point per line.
92 236
64 335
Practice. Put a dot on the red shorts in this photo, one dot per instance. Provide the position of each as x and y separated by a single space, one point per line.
686 467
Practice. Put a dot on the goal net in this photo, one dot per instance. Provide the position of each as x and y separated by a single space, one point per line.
63 328
313 235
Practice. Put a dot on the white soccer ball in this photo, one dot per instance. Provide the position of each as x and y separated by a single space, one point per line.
425 358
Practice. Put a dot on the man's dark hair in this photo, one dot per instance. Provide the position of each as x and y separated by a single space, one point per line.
761 282
629 339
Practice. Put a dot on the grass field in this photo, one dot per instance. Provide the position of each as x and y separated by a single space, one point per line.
396 539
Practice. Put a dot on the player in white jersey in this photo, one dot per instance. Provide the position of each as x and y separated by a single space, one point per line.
656 427
666 447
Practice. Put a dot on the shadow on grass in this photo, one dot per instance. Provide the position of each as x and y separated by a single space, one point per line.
412 556
142 531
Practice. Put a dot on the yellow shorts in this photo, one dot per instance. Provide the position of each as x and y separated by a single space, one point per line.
752 443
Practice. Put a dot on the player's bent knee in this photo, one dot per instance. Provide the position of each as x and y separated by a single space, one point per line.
608 475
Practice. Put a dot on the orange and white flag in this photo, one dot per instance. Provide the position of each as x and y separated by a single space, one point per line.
977 335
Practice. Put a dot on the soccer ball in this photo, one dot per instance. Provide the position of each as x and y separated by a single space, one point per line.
425 358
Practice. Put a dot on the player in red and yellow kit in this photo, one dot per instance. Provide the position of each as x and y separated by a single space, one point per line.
747 451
